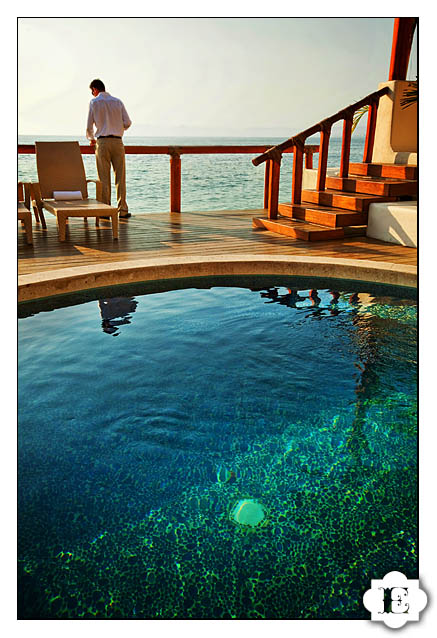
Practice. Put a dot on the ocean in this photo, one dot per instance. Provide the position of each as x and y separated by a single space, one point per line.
209 182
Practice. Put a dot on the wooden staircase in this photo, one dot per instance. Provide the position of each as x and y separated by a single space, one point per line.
338 206
341 208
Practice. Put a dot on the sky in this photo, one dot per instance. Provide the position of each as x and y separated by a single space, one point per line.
199 76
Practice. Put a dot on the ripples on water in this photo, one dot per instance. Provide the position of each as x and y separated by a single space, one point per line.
209 182
135 414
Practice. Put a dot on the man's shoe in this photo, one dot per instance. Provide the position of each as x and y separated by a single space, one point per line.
125 216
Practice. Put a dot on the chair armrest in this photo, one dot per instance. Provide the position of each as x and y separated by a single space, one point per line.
99 189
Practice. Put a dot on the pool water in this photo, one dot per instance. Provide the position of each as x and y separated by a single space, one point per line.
216 453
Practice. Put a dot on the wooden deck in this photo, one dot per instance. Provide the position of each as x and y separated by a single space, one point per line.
184 234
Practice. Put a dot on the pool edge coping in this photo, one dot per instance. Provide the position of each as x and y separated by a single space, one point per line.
78 278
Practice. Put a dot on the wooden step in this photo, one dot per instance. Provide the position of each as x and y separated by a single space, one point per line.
355 231
396 171
373 185
297 229
323 215
357 202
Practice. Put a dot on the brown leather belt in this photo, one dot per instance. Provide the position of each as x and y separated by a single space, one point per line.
117 137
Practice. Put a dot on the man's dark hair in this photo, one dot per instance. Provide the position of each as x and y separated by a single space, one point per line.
97 84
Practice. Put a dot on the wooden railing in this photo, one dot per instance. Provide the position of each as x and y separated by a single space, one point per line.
296 144
175 153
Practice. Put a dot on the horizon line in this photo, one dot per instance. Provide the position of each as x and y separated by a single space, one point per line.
174 135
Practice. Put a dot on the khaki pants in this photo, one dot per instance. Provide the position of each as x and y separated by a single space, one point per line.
110 151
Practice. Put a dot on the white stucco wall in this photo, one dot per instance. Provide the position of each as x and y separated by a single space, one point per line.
396 127
309 176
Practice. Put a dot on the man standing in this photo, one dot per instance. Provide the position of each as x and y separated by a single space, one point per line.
109 116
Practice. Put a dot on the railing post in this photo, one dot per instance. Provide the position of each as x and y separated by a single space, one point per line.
403 33
175 181
346 146
275 170
323 157
296 187
267 184
308 159
370 133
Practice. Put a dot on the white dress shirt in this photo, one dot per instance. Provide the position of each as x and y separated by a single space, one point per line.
108 115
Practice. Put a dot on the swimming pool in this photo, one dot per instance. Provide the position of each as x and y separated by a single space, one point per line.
216 452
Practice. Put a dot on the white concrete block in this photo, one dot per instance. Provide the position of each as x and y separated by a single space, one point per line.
309 176
394 222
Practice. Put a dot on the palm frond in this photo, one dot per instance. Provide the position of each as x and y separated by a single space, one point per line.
411 95
358 115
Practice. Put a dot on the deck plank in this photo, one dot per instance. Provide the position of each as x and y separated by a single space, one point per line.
185 234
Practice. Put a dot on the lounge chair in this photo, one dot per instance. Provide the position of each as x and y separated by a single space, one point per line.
24 214
62 186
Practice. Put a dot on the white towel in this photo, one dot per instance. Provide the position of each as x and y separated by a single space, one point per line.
65 195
